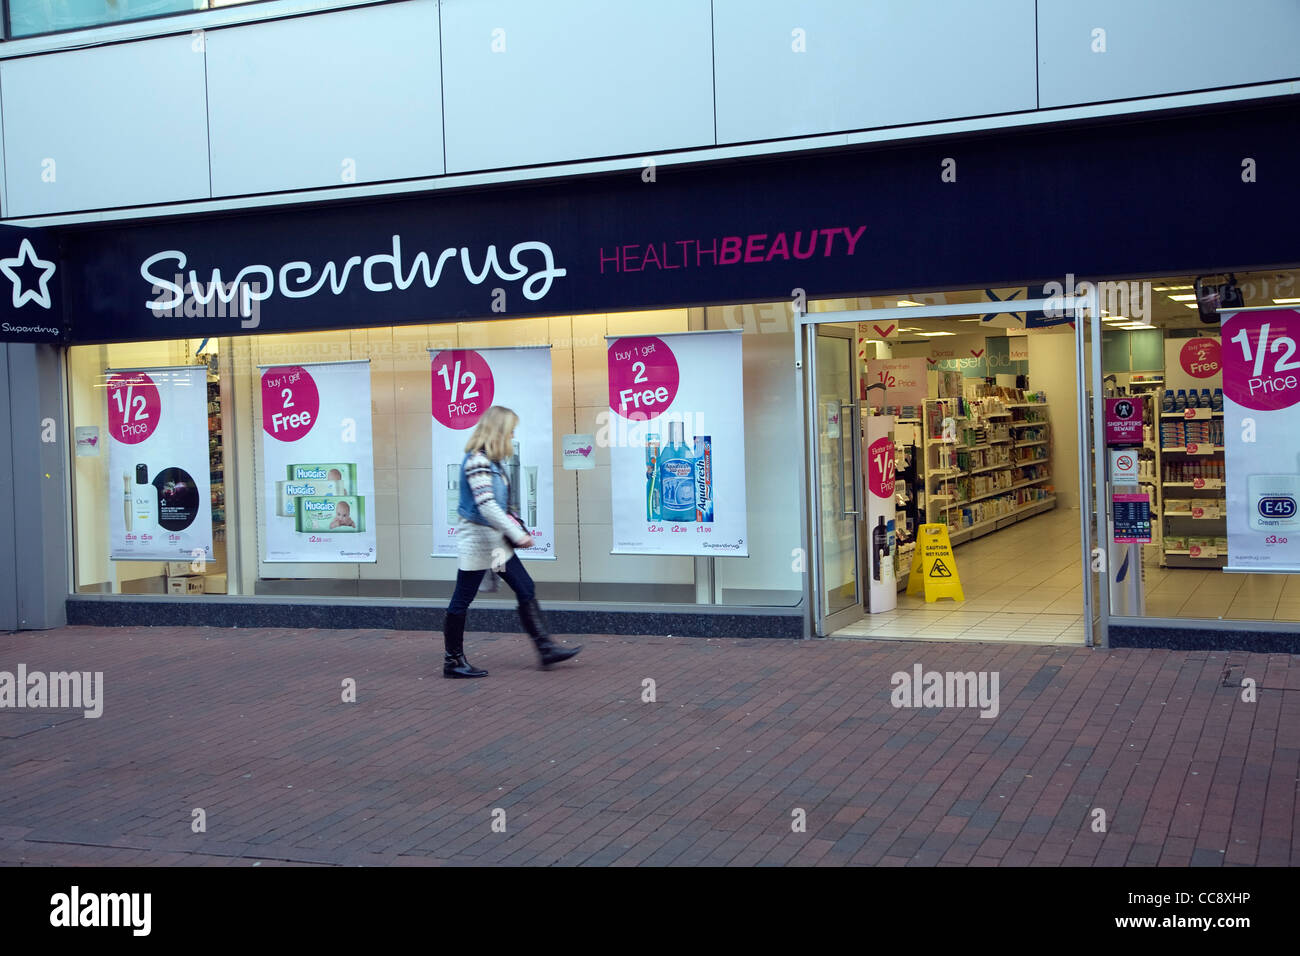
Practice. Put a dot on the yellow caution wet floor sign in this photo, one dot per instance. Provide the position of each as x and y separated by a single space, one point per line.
933 563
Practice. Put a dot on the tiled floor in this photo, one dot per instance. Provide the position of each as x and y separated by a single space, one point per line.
1023 584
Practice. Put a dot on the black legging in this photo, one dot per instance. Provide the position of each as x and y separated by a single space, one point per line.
467 583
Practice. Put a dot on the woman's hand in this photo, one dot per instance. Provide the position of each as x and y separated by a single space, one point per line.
527 542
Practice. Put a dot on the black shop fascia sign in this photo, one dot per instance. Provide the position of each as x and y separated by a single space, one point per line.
997 210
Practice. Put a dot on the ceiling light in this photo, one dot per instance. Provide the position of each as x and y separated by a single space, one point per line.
981 320
935 333
909 302
1191 305
1183 298
1287 301
1172 288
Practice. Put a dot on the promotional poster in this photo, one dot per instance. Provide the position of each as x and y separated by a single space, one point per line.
1261 431
158 464
465 384
677 461
318 463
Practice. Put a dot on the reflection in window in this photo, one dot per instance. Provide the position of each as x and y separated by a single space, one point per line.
32 17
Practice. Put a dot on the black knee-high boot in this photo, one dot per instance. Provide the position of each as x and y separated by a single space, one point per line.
530 613
453 640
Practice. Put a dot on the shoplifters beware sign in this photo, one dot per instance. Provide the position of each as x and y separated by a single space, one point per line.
933 563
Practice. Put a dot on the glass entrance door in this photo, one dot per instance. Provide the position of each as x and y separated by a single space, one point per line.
833 427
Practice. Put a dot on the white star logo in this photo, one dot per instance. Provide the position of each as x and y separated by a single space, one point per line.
27 254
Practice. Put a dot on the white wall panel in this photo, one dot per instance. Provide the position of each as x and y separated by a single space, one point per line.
123 125
866 65
1154 47
351 96
573 79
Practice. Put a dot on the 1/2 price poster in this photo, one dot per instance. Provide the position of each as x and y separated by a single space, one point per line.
159 481
465 384
318 463
677 456
1261 434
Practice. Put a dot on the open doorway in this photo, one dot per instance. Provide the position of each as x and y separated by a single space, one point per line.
983 414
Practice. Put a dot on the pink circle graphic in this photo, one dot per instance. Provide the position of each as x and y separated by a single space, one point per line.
462 388
290 402
1261 359
1201 358
880 467
643 377
134 407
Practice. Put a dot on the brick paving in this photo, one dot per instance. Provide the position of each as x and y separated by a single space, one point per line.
250 726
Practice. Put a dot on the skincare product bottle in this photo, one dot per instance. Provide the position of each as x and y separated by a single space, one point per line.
512 472
530 494
453 494
128 500
146 501
677 477
652 486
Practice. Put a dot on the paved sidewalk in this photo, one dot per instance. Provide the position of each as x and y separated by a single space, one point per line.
250 727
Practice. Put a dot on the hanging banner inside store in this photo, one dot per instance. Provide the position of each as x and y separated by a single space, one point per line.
1193 363
1261 432
158 464
466 383
318 466
677 444
904 381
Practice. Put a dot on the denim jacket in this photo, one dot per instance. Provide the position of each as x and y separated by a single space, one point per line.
500 491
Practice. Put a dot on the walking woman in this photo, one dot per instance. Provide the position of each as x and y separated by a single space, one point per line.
486 538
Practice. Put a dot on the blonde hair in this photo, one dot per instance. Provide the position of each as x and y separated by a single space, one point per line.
492 434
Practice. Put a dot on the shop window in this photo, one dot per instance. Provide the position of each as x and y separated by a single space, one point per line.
404 473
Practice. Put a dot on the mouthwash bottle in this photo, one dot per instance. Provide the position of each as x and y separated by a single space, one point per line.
1217 404
676 478
652 456
1180 403
1206 401
1167 401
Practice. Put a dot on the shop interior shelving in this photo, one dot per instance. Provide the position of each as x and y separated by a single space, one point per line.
1193 535
994 450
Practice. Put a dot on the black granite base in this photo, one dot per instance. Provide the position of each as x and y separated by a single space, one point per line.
785 623
1206 639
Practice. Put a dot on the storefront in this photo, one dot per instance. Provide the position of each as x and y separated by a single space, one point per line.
725 269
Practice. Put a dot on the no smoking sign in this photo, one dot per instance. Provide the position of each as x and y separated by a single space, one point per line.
1123 468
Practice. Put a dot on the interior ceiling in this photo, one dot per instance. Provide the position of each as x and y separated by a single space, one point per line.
1259 289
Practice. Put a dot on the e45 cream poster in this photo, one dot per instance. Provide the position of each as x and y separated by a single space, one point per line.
1260 353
